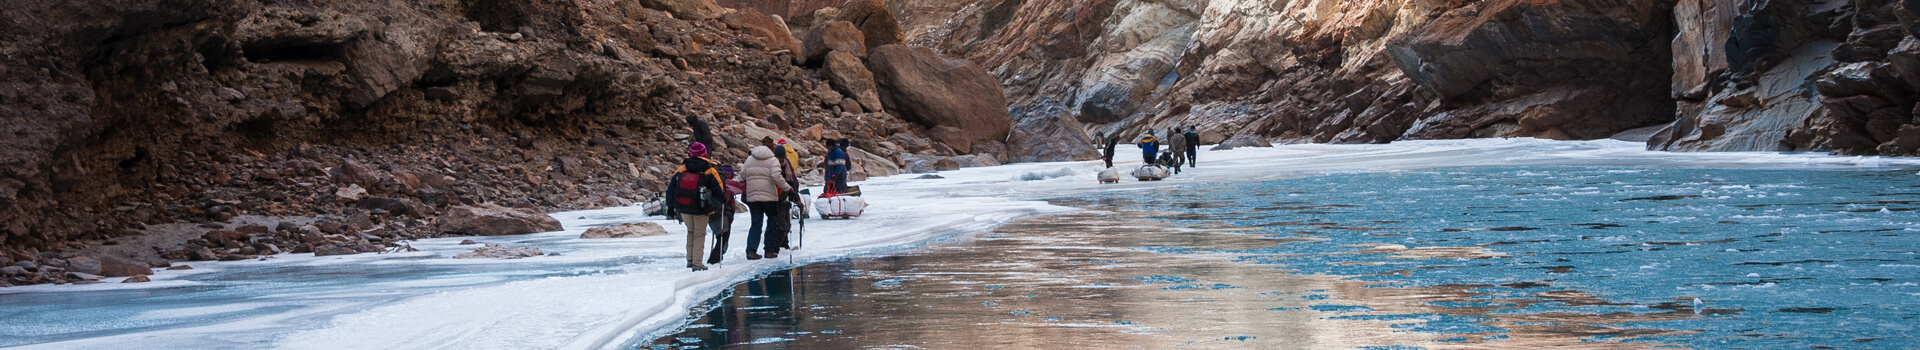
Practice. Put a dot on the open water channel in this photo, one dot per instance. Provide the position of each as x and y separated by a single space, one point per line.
1486 257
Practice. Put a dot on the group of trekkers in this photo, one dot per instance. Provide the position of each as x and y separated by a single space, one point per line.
702 194
1183 148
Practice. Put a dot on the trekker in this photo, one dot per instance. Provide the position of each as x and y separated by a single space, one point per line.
790 166
721 223
837 166
1108 156
701 133
1149 147
1193 147
1176 148
766 189
693 193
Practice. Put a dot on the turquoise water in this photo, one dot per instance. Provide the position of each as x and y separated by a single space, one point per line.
1778 258
1485 257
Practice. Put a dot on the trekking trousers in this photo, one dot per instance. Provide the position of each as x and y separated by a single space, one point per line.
696 237
763 215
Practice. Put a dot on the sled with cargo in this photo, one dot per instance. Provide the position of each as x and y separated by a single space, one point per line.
845 205
1111 175
1152 173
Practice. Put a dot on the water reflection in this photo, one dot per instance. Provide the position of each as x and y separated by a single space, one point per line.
1460 258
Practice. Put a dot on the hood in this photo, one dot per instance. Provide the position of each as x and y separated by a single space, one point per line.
762 152
696 165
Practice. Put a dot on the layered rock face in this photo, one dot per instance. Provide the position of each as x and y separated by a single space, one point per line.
1718 75
1804 75
378 116
1325 71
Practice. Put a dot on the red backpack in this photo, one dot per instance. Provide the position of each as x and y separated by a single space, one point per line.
689 197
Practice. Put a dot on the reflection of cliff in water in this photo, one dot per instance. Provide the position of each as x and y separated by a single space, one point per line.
1107 280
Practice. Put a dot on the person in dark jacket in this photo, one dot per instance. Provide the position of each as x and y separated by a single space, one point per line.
1108 156
838 165
691 194
721 222
1176 150
702 134
1193 147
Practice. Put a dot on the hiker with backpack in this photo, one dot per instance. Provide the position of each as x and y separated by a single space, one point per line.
695 193
1193 147
721 222
766 189
837 166
1149 147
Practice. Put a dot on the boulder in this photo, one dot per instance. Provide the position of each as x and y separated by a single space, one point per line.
878 26
495 251
765 27
869 165
1242 141
933 90
326 250
686 9
84 264
137 279
114 267
848 75
1048 135
490 219
836 36
13 271
642 229
83 276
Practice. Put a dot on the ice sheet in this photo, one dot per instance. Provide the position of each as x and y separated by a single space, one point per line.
597 293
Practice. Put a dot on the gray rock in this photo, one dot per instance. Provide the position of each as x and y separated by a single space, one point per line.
83 276
13 271
136 279
84 264
495 251
642 229
492 219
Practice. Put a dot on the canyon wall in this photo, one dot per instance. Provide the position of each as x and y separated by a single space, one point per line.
375 115
1710 75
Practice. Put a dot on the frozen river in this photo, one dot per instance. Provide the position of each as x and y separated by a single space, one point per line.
1483 257
1438 244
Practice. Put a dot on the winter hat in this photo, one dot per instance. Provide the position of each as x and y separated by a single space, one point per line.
781 142
697 149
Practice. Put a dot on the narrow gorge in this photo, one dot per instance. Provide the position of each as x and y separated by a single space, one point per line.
158 131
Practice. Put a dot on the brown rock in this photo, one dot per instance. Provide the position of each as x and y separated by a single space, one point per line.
252 229
765 27
327 250
932 90
114 267
84 264
179 267
839 36
878 26
686 9
202 254
137 279
492 219
643 229
846 74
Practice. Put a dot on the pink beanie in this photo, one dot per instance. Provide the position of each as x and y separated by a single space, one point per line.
697 149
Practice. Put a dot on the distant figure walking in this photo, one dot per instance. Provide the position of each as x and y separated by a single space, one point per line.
1108 156
693 193
1176 149
1193 147
1149 147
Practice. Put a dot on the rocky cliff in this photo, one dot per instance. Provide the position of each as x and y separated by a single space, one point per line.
1711 75
374 116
